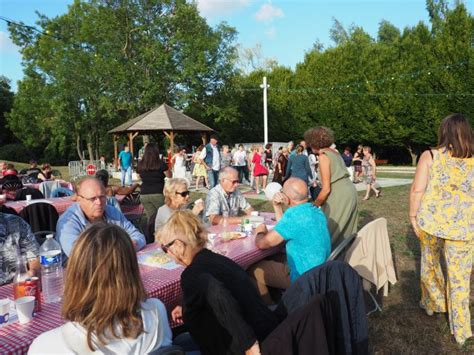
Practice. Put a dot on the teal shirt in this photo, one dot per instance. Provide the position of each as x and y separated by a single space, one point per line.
125 159
304 228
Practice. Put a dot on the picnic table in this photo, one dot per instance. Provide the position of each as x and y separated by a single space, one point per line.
159 283
63 203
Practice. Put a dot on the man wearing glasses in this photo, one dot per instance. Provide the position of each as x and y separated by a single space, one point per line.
92 207
226 197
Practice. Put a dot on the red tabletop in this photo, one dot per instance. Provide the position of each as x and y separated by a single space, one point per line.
159 283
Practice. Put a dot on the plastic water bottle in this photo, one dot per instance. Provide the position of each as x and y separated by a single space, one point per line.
225 222
51 270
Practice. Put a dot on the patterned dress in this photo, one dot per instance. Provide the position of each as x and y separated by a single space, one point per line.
446 219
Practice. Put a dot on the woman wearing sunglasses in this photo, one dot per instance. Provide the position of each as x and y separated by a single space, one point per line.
221 307
176 198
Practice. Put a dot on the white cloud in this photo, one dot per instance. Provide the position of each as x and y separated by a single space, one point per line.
6 44
209 8
270 32
268 13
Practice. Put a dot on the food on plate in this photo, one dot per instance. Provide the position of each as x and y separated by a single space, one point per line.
158 259
232 235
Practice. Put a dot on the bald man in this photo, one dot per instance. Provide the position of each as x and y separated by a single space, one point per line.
92 207
303 227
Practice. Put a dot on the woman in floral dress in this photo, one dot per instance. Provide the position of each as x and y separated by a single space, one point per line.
442 215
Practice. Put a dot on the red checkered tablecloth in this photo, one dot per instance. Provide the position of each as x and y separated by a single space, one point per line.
159 283
62 204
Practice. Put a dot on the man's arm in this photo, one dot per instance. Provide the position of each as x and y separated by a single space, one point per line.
30 247
265 239
122 190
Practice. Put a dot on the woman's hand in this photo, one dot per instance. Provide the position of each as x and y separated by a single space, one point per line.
198 207
254 350
177 314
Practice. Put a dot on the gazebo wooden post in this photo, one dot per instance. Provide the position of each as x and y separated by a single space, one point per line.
171 136
204 138
116 150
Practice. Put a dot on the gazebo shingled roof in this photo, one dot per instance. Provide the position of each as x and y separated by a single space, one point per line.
163 118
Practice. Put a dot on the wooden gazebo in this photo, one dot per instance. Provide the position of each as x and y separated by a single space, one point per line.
161 119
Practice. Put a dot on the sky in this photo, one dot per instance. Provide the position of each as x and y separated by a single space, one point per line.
285 30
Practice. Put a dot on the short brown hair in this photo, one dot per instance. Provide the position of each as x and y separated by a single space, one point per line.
319 137
103 287
455 135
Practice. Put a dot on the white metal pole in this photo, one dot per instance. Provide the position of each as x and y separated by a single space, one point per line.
264 86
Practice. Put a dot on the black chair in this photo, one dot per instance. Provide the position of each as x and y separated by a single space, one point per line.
61 192
21 194
42 217
12 185
150 229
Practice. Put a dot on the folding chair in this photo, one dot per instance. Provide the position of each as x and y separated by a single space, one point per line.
42 217
371 256
21 194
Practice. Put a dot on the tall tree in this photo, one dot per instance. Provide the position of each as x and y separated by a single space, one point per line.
105 61
6 102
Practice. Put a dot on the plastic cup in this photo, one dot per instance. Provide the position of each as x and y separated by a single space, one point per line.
24 308
4 311
211 238
3 198
28 198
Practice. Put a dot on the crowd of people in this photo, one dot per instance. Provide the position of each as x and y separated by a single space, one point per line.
224 307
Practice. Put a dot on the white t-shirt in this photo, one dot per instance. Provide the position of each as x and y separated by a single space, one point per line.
157 333
239 158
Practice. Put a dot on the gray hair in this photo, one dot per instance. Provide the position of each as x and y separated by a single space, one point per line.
225 172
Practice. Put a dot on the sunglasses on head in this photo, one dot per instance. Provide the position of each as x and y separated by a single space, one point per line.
183 193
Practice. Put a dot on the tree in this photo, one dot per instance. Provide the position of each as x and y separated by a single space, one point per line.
6 102
106 61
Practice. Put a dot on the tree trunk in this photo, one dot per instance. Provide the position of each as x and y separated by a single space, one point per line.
79 148
413 155
91 151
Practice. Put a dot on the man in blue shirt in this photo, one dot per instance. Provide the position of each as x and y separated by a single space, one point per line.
303 227
91 207
125 164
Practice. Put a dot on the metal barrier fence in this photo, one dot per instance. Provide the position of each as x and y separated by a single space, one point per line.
79 168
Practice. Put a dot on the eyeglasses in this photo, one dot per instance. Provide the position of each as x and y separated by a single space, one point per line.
234 182
101 198
166 247
183 193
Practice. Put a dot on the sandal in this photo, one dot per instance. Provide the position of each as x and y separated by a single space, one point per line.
365 199
378 195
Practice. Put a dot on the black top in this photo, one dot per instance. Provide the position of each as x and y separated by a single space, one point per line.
221 307
360 156
153 181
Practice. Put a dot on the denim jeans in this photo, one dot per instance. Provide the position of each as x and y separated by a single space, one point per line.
213 177
126 176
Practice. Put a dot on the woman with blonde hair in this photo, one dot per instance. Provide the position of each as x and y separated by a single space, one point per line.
338 196
442 213
176 197
221 306
105 303
199 167
369 167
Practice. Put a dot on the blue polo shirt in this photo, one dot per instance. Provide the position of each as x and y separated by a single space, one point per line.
304 228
